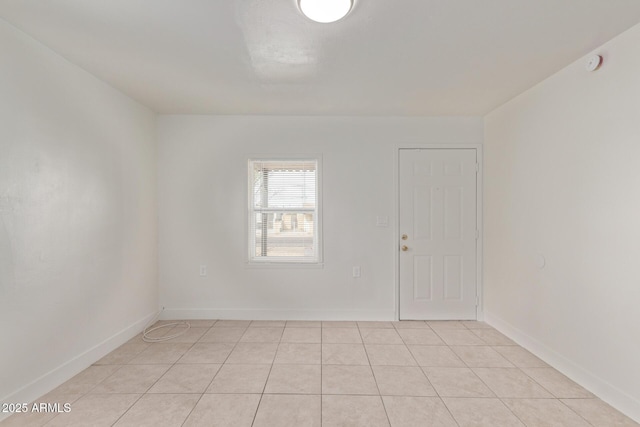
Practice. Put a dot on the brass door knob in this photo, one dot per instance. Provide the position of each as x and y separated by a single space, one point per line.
404 248
404 237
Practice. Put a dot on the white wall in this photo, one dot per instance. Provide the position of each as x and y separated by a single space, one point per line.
78 257
562 179
203 204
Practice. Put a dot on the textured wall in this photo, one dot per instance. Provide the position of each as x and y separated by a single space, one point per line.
203 208
77 214
562 181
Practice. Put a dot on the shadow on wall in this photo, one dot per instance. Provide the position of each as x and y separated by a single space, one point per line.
7 275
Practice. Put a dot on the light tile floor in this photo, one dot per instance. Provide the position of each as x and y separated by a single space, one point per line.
280 374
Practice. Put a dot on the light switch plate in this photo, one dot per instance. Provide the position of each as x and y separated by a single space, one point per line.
356 271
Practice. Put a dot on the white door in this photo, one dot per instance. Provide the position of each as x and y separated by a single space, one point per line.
438 237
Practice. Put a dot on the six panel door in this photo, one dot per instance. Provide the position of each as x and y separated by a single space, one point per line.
438 253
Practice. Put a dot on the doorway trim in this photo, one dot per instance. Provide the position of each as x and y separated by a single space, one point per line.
479 217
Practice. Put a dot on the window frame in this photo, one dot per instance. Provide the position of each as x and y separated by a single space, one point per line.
293 262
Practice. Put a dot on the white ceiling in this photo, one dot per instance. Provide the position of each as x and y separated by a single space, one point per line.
387 57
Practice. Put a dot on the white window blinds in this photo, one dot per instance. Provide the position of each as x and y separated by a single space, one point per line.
283 211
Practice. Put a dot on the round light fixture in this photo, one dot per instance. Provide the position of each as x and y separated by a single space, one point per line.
325 11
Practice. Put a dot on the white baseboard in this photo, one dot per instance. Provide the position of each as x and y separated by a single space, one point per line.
52 379
622 401
249 314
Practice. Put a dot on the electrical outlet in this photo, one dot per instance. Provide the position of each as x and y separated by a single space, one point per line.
203 270
356 271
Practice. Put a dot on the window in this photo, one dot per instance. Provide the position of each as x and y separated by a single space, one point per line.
283 211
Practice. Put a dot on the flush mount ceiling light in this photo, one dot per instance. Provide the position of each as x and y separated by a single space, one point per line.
325 11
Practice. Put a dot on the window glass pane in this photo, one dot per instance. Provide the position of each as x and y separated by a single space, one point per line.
282 185
288 234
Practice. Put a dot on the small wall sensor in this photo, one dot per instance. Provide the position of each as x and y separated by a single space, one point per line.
594 62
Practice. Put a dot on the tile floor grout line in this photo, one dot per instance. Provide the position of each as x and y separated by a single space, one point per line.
128 409
511 410
205 388
427 377
176 363
543 387
474 372
217 372
446 407
499 398
374 376
470 368
113 373
575 412
255 415
160 377
436 390
192 409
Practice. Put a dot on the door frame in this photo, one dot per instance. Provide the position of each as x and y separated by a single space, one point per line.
479 217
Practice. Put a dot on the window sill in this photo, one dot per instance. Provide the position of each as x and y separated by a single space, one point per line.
285 265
